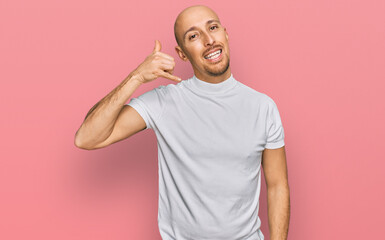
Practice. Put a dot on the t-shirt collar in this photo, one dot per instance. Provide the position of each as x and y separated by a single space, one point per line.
213 88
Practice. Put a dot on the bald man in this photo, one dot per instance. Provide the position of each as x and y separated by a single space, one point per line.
213 132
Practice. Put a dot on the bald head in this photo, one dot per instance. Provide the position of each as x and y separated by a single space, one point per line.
187 18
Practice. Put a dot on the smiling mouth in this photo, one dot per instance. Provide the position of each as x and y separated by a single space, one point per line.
214 55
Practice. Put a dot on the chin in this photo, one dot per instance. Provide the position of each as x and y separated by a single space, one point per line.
215 71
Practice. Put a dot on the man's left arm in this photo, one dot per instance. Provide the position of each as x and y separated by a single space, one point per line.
278 193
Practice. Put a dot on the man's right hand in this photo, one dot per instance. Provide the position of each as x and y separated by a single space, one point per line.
157 64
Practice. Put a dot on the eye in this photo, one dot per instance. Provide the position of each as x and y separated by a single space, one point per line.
191 36
214 26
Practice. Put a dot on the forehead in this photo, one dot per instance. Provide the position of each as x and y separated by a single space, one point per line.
195 17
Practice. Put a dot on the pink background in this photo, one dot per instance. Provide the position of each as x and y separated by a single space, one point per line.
323 62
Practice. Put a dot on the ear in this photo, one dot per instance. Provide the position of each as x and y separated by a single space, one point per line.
181 54
227 36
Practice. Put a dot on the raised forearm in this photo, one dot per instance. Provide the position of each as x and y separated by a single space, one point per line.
100 120
278 205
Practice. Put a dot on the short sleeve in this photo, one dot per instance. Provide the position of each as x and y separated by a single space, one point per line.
274 129
149 105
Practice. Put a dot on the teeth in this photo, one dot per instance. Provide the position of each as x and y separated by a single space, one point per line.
210 56
215 56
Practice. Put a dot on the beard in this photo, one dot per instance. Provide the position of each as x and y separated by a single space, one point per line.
213 70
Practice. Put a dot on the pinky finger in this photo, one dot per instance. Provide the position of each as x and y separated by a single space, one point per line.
169 76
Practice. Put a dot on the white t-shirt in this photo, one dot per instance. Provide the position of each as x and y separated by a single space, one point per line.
210 142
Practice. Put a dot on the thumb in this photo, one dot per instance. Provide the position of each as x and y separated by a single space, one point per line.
157 46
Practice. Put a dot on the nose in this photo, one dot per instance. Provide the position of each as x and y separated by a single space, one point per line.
209 40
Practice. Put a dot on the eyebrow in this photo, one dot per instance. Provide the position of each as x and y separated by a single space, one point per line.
195 28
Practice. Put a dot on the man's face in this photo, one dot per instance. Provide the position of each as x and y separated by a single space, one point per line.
200 34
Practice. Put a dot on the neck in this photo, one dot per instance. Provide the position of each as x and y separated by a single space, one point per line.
213 79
